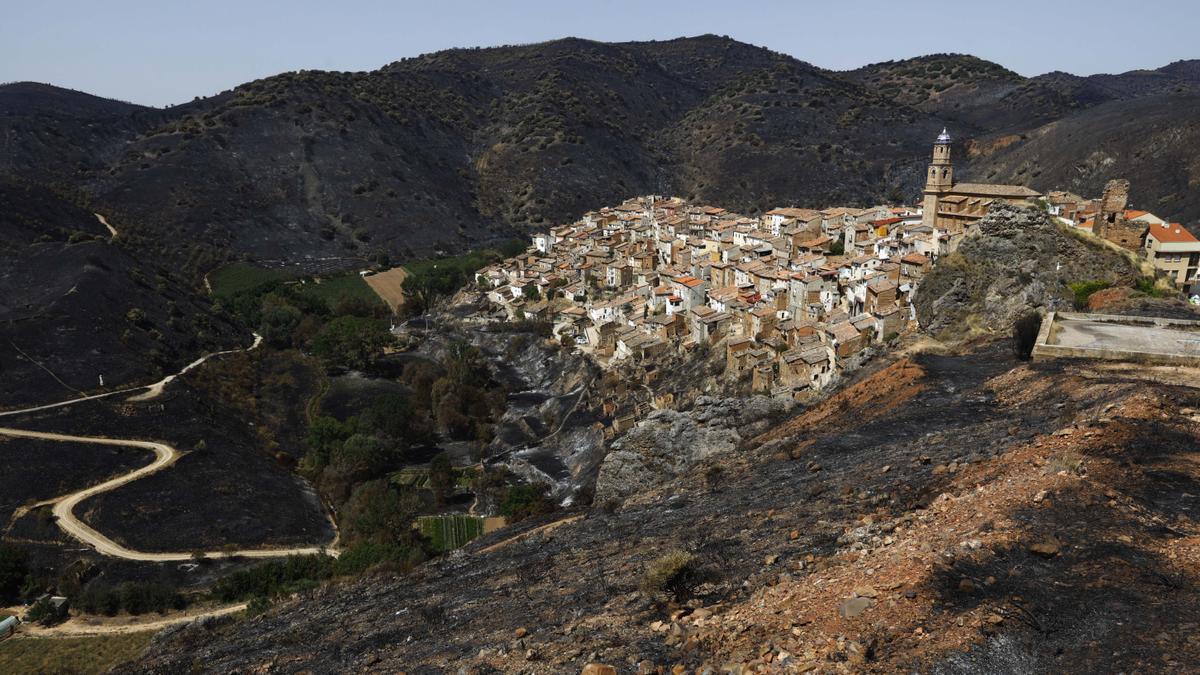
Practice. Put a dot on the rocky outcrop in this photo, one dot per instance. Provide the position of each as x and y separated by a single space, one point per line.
667 443
1019 261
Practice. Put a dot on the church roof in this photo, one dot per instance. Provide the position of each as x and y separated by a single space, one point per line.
943 137
992 190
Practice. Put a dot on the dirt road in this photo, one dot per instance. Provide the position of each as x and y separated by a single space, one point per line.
164 456
82 627
104 221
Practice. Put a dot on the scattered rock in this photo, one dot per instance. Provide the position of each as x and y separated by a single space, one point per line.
1047 548
521 632
854 607
866 592
598 669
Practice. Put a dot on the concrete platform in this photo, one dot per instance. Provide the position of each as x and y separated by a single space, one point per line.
1118 338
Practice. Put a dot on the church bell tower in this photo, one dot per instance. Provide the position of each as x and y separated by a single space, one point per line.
939 180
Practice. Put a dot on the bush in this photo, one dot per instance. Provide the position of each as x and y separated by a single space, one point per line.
676 574
352 342
1025 332
1084 290
365 555
274 578
525 501
132 597
1146 285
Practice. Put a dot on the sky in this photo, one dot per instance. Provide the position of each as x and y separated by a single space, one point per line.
168 51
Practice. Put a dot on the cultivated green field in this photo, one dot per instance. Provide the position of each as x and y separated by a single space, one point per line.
450 532
332 289
237 277
71 655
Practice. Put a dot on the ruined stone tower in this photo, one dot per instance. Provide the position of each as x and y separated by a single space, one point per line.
1110 222
940 179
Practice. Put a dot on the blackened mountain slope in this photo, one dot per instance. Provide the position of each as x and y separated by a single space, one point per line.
796 130
53 133
75 306
1153 142
460 148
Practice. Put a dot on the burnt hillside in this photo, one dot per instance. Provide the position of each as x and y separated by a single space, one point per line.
454 149
76 304
947 514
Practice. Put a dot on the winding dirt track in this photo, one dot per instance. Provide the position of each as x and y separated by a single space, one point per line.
164 456
92 626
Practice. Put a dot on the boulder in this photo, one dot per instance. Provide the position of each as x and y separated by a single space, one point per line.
667 443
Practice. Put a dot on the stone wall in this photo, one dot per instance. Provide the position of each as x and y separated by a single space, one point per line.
1111 223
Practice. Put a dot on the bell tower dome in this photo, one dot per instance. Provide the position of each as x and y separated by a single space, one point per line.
939 179
941 171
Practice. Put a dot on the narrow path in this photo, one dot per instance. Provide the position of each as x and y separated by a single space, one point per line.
537 530
104 221
153 390
78 627
164 456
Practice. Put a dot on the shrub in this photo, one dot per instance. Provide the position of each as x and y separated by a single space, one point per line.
1025 332
676 574
524 501
1146 285
352 342
1084 290
274 578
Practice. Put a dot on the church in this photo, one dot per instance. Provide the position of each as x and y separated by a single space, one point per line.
951 206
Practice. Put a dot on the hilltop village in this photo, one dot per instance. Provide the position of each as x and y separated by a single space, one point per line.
795 296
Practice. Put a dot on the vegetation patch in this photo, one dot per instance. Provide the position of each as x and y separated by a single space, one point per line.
80 655
450 532
236 278
1084 290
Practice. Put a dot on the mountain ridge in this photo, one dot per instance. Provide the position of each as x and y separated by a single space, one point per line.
454 149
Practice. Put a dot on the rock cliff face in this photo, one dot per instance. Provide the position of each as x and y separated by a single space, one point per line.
1020 261
668 443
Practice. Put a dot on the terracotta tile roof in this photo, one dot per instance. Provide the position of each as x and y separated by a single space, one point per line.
991 190
1172 233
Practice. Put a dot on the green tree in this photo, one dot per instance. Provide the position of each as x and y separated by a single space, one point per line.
352 342
376 512
325 435
362 455
441 478
279 322
523 501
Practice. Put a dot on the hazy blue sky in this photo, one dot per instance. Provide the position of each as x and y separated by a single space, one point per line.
167 51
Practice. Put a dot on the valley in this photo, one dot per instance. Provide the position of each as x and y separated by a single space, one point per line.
575 356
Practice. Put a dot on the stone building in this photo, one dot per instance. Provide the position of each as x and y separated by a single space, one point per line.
1112 222
952 206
